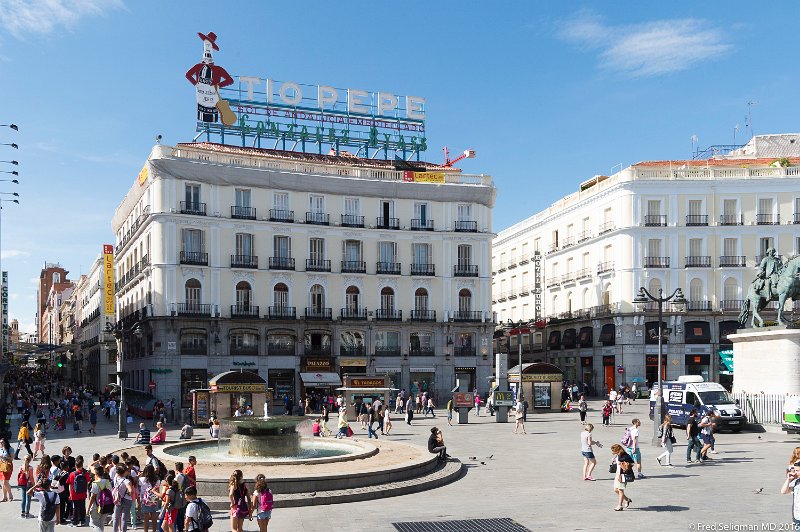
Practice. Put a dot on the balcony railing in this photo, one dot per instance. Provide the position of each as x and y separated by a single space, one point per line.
423 269
606 227
467 315
388 314
279 312
280 215
391 268
466 226
244 261
352 351
656 262
568 242
423 315
318 265
600 311
352 220
607 266
696 219
318 218
318 313
419 224
731 219
348 313
525 290
243 213
698 261
583 236
354 266
552 249
192 207
655 220
465 270
194 257
387 223
281 263
552 281
244 311
583 273
768 219
244 350
735 261
194 309
464 351
132 229
699 306
731 304
278 350
130 275
568 277
422 352
387 351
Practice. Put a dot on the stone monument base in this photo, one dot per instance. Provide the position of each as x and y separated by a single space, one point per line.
766 360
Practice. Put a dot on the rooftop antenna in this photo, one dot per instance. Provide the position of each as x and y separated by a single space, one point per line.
735 130
749 119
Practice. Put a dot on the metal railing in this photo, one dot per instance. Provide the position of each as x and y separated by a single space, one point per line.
352 220
387 314
193 207
732 261
244 261
422 352
280 349
318 218
699 306
768 219
698 261
607 266
194 309
423 315
730 304
465 270
243 213
280 215
318 265
387 223
391 268
467 315
656 262
354 266
655 220
279 312
387 351
132 229
419 224
583 236
583 273
194 257
696 219
423 269
464 351
731 219
466 226
318 313
244 311
281 263
348 313
606 227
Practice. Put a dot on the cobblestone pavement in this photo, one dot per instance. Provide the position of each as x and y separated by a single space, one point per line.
536 479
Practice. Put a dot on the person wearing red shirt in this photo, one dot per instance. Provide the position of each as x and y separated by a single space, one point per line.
189 471
78 491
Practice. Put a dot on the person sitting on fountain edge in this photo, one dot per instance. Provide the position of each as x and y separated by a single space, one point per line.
186 432
144 434
436 444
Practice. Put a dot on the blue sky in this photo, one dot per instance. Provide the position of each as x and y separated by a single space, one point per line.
549 94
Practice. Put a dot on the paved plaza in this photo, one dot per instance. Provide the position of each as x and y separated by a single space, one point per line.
536 480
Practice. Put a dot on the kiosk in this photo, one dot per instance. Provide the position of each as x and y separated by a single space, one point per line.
232 389
540 381
367 388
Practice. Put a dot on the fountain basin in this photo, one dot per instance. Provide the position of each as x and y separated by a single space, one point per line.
307 451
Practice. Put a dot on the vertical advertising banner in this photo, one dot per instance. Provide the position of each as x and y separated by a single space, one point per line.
108 276
6 346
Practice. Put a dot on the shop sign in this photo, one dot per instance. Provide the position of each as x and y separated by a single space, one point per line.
352 362
503 398
322 364
537 285
238 388
160 371
464 370
244 363
534 377
726 356
367 383
143 175
463 399
108 278
423 177
6 347
423 370
202 405
388 370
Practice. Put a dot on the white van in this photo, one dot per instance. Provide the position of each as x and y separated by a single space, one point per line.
691 392
791 414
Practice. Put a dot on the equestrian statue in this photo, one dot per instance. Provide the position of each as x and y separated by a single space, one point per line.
776 281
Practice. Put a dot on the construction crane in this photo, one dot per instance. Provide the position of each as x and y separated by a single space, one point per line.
468 154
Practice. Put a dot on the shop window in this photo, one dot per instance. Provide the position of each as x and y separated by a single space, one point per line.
351 343
192 379
280 345
194 343
569 339
697 332
554 340
725 328
608 335
585 337
651 332
243 343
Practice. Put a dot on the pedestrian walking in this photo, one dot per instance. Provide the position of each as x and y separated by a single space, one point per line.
409 410
589 460
39 435
706 427
450 412
623 474
372 419
477 404
325 417
24 439
387 421
631 441
25 481
634 391
93 420
49 511
263 502
429 408
96 510
717 420
692 441
667 441
607 410
519 413
239 499
180 502
168 513
582 408
342 424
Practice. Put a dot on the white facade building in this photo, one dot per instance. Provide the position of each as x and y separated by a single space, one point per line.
294 265
94 365
701 225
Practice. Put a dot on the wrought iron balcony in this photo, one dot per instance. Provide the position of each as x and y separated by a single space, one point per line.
768 219
465 270
352 220
467 315
387 351
583 236
552 249
568 242
194 257
735 261
387 223
696 219
464 351
419 224
193 207
243 350
583 273
391 268
655 220
606 227
280 215
281 263
466 226
280 312
388 314
244 311
243 213
656 262
244 261
699 306
423 315
354 266
731 219
318 265
423 269
318 313
698 261
422 352
604 267
348 313
600 311
194 309
318 218
352 351
730 304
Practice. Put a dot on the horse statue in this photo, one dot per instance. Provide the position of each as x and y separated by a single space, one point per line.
759 294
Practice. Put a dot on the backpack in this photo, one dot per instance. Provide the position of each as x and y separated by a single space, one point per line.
49 510
105 500
627 440
118 494
242 507
79 482
266 500
204 518
22 478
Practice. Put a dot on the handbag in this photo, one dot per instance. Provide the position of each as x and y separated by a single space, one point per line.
349 431
612 468
5 466
673 440
628 475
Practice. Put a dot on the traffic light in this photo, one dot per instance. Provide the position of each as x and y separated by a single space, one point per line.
60 365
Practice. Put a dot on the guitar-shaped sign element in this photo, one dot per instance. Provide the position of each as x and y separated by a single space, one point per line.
227 116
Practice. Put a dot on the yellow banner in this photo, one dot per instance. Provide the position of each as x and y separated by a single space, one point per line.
352 361
429 177
540 377
108 275
143 175
234 388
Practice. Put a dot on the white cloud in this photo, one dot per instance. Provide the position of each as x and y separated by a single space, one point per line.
41 17
14 253
648 49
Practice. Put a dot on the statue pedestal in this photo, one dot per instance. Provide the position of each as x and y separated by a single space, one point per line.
766 360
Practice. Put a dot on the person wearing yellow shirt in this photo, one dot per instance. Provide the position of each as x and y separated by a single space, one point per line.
24 438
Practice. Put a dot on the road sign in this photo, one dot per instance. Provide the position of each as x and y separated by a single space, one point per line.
503 398
151 385
620 369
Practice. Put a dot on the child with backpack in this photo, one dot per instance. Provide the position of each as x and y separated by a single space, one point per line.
262 502
607 409
49 510
101 501
198 514
240 501
78 482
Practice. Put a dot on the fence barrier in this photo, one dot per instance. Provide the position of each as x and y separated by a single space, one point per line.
763 408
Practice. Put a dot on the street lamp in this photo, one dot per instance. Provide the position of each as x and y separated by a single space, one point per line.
121 334
679 302
12 144
15 163
519 326
12 126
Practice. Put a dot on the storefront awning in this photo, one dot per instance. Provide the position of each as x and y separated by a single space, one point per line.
320 379
585 337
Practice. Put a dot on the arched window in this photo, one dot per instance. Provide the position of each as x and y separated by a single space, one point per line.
605 297
193 298
280 296
554 307
569 302
464 300
387 300
352 296
696 290
317 298
243 295
421 300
